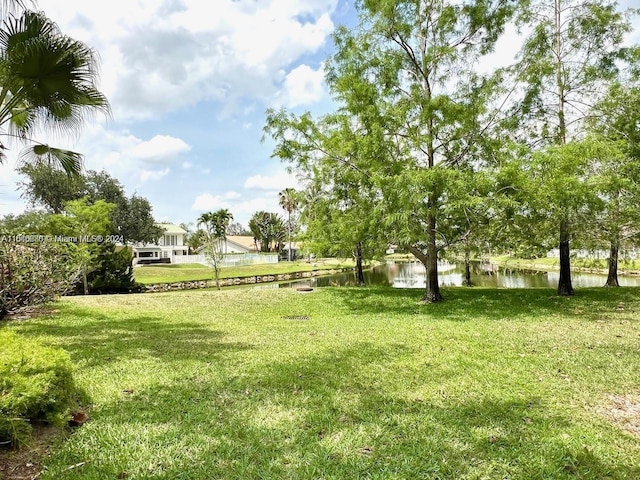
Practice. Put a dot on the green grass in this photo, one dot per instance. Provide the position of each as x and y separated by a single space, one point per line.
348 383
546 263
151 274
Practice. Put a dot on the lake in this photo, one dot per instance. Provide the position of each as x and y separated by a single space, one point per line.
412 275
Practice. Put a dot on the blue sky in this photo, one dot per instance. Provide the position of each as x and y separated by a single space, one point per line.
189 82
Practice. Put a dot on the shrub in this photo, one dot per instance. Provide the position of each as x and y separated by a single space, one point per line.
36 385
35 273
110 271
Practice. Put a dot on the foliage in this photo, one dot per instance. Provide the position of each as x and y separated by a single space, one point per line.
268 231
615 177
131 216
36 385
36 222
80 223
288 199
413 112
112 270
49 187
215 229
573 50
235 228
197 239
47 79
133 221
32 274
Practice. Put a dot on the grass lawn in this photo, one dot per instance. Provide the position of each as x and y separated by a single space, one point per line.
150 274
546 263
348 383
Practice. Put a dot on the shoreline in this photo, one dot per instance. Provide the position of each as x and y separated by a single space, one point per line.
236 281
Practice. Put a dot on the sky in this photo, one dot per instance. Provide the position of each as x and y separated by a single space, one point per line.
188 82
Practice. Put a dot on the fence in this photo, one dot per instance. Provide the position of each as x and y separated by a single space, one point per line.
230 259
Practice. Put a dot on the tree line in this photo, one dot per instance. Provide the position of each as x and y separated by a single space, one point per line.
428 151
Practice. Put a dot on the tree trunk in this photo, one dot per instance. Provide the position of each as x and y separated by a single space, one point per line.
612 277
467 268
217 273
289 227
430 261
359 271
564 283
85 283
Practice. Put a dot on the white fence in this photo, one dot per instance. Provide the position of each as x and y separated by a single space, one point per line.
230 259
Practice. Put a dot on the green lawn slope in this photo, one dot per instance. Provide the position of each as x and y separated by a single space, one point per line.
347 383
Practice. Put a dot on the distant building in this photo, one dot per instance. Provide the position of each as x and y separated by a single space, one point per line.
170 245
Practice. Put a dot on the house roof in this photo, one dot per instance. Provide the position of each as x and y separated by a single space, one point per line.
172 228
245 241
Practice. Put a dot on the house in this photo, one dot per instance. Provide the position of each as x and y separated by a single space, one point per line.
240 244
169 246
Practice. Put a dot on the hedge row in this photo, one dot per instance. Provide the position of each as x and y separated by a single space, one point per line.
36 385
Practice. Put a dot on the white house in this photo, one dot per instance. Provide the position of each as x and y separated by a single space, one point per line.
169 246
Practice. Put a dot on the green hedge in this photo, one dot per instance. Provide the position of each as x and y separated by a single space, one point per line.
36 385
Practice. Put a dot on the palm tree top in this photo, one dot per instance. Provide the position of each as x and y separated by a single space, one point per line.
48 79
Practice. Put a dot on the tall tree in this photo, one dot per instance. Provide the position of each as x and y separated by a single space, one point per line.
50 188
331 157
570 53
288 201
268 231
83 221
236 228
405 79
47 79
215 227
615 176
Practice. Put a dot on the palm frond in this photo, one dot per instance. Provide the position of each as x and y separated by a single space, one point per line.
70 162
48 73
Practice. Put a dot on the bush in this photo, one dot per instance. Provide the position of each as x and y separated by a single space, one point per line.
112 270
35 273
36 385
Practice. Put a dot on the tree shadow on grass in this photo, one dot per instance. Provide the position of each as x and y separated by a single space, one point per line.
342 413
95 338
462 304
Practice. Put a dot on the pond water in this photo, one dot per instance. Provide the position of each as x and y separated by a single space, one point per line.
412 275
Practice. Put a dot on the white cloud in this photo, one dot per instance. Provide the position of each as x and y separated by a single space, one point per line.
208 202
278 181
242 207
302 86
160 149
146 175
158 57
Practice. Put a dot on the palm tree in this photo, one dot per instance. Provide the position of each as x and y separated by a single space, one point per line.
288 200
47 79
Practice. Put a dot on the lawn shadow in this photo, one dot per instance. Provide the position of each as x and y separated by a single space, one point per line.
95 338
463 303
336 414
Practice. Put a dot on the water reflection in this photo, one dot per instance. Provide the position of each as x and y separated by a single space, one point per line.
412 275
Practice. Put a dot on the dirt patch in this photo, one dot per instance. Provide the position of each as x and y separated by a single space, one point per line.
623 411
26 462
